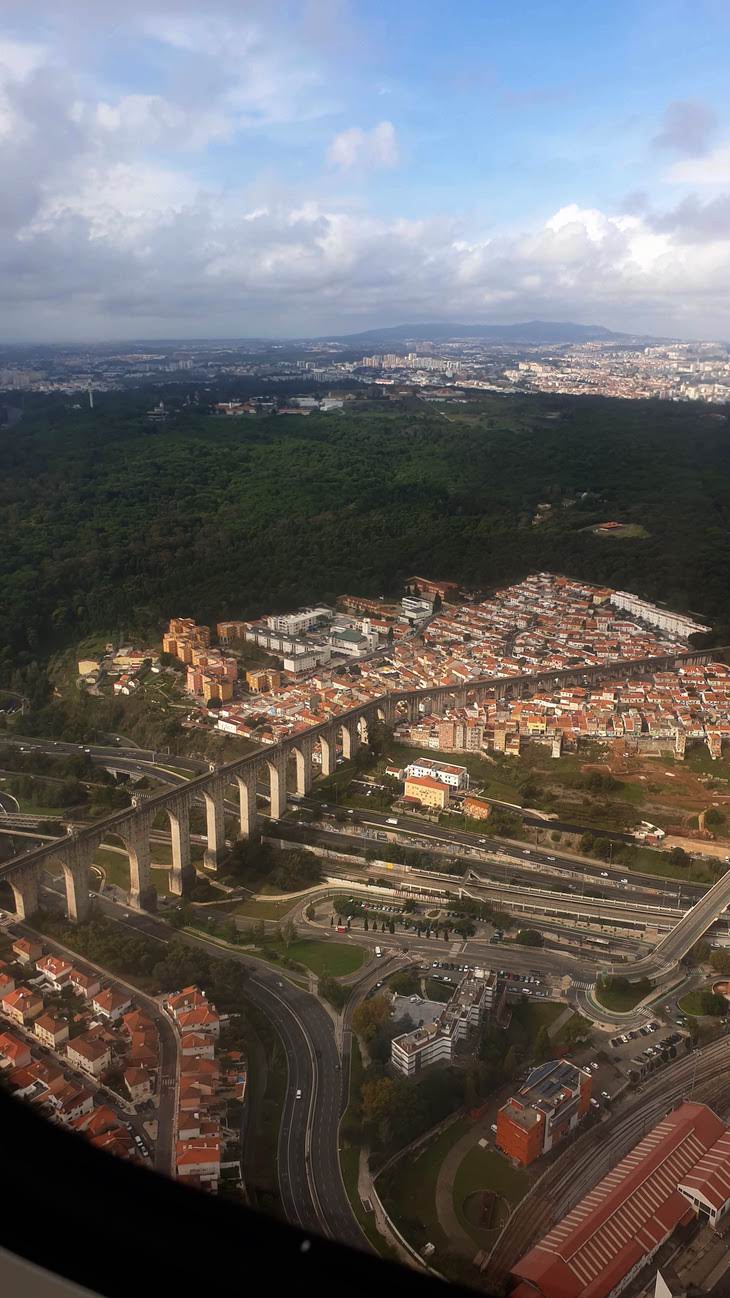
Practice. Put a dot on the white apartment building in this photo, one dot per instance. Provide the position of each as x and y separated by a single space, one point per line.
457 777
674 623
304 620
434 1042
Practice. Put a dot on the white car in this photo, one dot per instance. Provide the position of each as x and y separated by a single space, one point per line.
299 1092
604 874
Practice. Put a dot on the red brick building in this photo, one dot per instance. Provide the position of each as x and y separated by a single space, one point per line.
549 1105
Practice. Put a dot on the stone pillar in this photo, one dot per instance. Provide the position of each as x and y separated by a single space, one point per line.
276 767
413 710
247 800
214 826
136 838
76 863
388 708
182 873
327 743
350 740
303 759
24 884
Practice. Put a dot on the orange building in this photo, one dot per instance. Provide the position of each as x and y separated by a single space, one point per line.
263 679
551 1103
227 631
215 687
476 808
182 636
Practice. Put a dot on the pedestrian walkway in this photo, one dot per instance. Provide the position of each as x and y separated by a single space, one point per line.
444 1194
582 984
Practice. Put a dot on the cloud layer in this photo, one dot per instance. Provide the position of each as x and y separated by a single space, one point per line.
113 222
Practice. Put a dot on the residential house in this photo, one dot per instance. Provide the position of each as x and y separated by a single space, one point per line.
111 1003
51 1030
86 984
27 950
22 1005
138 1082
89 1053
55 970
14 1051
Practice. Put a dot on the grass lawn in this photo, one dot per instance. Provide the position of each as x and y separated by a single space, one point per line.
273 909
690 1004
532 1016
350 1162
116 870
658 863
410 1196
620 999
484 1169
438 991
336 958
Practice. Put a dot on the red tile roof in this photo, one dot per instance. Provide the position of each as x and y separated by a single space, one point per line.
633 1209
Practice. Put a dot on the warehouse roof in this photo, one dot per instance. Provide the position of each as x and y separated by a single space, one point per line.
624 1218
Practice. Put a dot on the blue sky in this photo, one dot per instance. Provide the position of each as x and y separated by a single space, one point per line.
306 166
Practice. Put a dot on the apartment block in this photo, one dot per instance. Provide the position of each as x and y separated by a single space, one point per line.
434 1043
550 1104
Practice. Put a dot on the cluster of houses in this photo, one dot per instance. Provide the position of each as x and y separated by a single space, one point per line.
66 1038
209 1080
670 708
432 637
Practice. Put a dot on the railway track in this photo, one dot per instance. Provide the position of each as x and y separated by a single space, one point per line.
703 1075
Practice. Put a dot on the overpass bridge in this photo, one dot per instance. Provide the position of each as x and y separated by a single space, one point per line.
691 927
134 825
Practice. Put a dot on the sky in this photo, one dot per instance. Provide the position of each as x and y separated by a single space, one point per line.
287 168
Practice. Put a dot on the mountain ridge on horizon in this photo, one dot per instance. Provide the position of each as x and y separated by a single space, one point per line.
529 331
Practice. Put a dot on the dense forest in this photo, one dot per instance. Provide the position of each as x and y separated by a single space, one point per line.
112 523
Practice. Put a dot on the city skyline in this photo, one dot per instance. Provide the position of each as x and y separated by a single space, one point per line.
319 168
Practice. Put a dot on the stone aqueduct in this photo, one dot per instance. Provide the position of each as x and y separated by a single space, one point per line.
75 854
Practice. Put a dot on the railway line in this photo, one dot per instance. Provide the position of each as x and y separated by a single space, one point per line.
701 1075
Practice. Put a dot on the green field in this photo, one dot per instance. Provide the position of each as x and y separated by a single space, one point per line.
620 999
409 1193
438 991
336 958
484 1169
269 909
690 1004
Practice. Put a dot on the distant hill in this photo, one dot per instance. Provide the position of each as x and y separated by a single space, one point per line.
532 331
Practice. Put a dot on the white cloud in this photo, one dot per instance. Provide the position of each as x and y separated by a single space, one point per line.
114 221
712 169
366 149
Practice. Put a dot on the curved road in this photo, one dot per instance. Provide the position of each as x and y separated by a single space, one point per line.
312 1190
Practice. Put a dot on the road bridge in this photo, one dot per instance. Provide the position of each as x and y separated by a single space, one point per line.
346 731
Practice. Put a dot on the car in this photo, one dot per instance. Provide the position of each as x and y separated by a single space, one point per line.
435 964
624 881
604 874
593 1066
493 1128
299 1093
595 1104
605 1095
644 1031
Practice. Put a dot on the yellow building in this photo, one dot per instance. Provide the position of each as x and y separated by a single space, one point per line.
88 665
217 687
429 792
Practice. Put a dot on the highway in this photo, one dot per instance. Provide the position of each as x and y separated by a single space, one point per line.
312 1191
157 765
